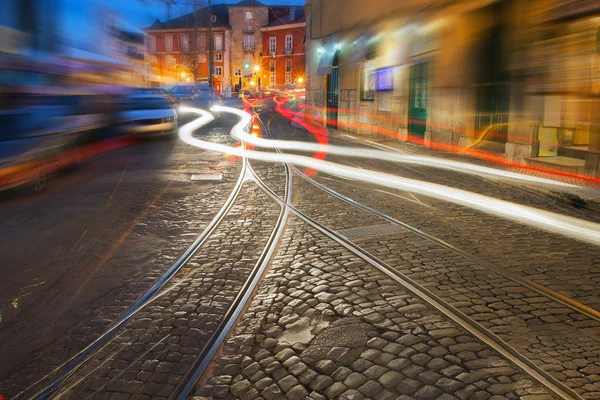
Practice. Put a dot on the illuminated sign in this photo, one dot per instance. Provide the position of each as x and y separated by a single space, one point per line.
385 79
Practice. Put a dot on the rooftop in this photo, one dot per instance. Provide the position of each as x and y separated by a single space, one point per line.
198 18
248 3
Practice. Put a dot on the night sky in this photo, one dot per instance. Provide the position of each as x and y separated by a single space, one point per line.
77 14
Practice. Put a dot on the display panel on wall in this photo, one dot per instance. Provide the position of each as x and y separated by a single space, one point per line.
385 79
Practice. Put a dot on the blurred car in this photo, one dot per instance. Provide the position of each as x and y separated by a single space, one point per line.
155 90
179 93
205 99
38 140
147 114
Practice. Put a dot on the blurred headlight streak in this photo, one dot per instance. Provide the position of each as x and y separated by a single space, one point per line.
551 222
432 162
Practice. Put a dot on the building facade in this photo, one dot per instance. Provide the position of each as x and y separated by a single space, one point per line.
283 55
178 48
497 76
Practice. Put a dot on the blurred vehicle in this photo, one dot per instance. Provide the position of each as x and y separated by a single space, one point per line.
155 90
205 98
42 134
179 93
38 140
147 114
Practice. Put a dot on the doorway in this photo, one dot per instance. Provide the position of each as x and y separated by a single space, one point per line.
333 87
417 101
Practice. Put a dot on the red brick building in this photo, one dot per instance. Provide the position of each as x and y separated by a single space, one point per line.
283 53
247 36
178 49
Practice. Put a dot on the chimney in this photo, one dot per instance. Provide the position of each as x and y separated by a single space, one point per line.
292 13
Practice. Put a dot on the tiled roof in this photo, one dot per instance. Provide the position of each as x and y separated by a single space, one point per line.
281 15
196 18
248 3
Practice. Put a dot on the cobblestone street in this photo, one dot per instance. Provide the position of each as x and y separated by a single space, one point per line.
347 291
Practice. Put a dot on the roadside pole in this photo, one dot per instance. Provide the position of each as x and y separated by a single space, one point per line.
211 65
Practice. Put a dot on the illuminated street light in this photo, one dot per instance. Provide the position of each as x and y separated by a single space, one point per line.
252 83
182 75
320 50
300 80
256 68
187 79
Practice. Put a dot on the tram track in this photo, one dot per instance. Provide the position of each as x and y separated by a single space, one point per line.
480 331
185 385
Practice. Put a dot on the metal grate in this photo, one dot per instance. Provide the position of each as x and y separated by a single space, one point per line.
207 177
371 231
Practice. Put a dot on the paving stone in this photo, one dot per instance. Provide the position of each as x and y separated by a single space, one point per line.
298 392
354 380
336 389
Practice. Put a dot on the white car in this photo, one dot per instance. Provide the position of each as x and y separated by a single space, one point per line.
147 114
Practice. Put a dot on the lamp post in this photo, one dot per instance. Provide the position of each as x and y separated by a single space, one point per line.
256 69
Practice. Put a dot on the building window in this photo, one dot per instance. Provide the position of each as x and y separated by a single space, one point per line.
152 43
288 66
272 66
152 59
238 72
218 71
201 58
288 79
201 43
213 18
218 56
249 42
185 43
272 79
169 43
248 15
272 45
154 71
288 44
169 60
218 42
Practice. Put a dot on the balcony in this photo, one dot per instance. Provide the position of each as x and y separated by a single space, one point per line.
288 51
249 47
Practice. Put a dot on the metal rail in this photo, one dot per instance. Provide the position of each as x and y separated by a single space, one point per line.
187 384
476 329
559 298
86 354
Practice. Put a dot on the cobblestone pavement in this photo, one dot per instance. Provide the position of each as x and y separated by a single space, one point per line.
326 325
151 354
155 242
563 265
563 342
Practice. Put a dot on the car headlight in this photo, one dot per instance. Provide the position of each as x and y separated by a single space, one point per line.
169 119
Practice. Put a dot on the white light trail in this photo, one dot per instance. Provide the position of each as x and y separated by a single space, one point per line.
433 162
545 220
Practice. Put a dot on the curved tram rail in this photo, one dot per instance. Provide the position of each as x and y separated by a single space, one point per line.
482 333
185 386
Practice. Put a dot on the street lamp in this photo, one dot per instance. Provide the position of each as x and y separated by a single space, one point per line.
252 83
300 80
256 68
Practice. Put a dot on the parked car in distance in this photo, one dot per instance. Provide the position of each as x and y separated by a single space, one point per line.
204 99
147 114
179 93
